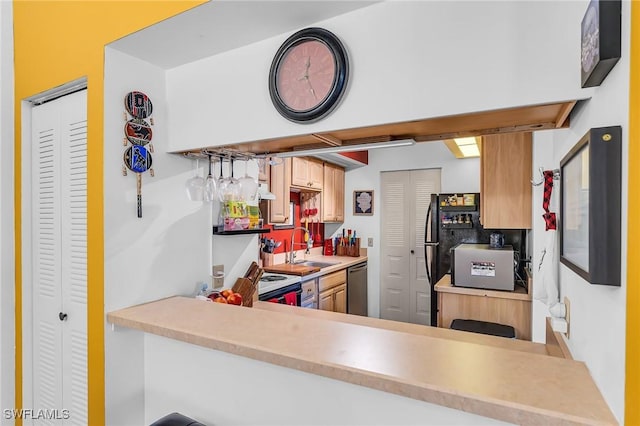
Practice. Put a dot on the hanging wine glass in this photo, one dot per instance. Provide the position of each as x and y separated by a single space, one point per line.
222 183
233 188
210 186
248 185
195 185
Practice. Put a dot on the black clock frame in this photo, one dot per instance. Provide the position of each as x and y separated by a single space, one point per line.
340 78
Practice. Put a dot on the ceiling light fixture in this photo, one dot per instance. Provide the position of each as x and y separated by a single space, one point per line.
464 147
345 148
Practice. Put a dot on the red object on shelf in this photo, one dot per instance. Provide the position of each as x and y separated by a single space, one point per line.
328 247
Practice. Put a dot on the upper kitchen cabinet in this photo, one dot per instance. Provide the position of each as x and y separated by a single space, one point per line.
333 194
505 171
280 182
306 173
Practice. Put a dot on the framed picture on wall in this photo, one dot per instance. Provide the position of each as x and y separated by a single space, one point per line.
363 203
590 206
601 38
289 224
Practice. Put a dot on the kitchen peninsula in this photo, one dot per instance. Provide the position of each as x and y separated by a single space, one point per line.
504 382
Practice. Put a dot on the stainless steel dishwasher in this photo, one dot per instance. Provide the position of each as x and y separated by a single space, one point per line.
357 289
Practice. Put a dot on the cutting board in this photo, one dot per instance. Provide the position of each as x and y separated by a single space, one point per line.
289 269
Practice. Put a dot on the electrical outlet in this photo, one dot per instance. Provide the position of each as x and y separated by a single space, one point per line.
218 276
370 242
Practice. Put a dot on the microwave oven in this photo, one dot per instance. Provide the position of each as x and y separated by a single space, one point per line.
481 266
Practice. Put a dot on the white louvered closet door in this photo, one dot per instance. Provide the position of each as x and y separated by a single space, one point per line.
405 294
59 178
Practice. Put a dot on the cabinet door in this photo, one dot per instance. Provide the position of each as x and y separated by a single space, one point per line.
326 301
338 194
280 182
315 171
506 164
340 299
333 194
299 172
328 203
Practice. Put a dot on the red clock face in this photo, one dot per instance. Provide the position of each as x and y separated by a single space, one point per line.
306 75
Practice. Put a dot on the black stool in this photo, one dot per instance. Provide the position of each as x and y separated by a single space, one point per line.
484 327
176 419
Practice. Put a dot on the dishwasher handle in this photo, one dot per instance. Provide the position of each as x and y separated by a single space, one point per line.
357 268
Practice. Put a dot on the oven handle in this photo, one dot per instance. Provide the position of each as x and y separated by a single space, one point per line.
298 293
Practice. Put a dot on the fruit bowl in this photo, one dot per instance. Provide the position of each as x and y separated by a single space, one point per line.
226 296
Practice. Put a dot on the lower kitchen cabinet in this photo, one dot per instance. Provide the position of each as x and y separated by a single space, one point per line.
333 292
502 307
334 300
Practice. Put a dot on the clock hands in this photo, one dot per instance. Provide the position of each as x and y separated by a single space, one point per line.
305 77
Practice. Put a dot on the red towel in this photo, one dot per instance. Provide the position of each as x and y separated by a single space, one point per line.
291 298
273 300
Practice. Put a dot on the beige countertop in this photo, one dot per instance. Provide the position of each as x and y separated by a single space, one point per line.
340 262
445 286
511 385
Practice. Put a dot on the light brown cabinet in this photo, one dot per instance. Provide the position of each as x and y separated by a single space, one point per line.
511 308
280 182
333 194
505 187
306 173
333 292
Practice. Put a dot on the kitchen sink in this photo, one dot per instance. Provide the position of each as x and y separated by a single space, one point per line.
314 264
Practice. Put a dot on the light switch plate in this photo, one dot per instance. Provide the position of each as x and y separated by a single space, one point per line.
370 242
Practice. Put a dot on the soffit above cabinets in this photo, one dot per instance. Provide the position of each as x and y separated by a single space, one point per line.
222 25
521 119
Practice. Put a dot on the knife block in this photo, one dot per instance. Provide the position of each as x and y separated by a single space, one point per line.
353 250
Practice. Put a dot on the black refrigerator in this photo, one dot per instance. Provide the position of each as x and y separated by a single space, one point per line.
453 219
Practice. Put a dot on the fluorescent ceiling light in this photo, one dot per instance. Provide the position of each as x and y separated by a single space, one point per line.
346 148
469 150
463 147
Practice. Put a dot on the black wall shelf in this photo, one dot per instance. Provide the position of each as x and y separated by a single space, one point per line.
459 208
242 232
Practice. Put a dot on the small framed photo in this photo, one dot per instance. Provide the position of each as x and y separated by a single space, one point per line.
363 203
601 40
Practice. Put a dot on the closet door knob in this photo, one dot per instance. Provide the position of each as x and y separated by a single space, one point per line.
62 316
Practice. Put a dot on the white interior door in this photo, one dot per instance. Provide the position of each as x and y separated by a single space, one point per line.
405 294
59 264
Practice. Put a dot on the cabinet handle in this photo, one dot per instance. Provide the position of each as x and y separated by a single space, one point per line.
62 316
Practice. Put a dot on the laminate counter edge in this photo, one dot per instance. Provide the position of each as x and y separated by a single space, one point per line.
518 387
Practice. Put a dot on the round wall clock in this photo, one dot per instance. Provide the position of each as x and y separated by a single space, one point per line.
308 75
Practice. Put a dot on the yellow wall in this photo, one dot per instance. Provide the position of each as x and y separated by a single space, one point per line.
632 376
56 42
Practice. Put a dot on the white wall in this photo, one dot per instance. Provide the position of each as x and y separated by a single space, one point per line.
164 253
457 175
409 60
7 258
597 317
218 388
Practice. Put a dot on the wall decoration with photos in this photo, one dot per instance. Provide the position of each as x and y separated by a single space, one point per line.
601 37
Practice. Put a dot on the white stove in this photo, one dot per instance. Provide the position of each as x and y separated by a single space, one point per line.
270 282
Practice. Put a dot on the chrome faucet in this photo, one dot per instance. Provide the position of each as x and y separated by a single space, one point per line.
292 254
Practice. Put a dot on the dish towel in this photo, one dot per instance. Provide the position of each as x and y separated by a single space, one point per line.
291 298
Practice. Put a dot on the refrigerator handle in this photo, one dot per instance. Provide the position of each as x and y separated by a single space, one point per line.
426 232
